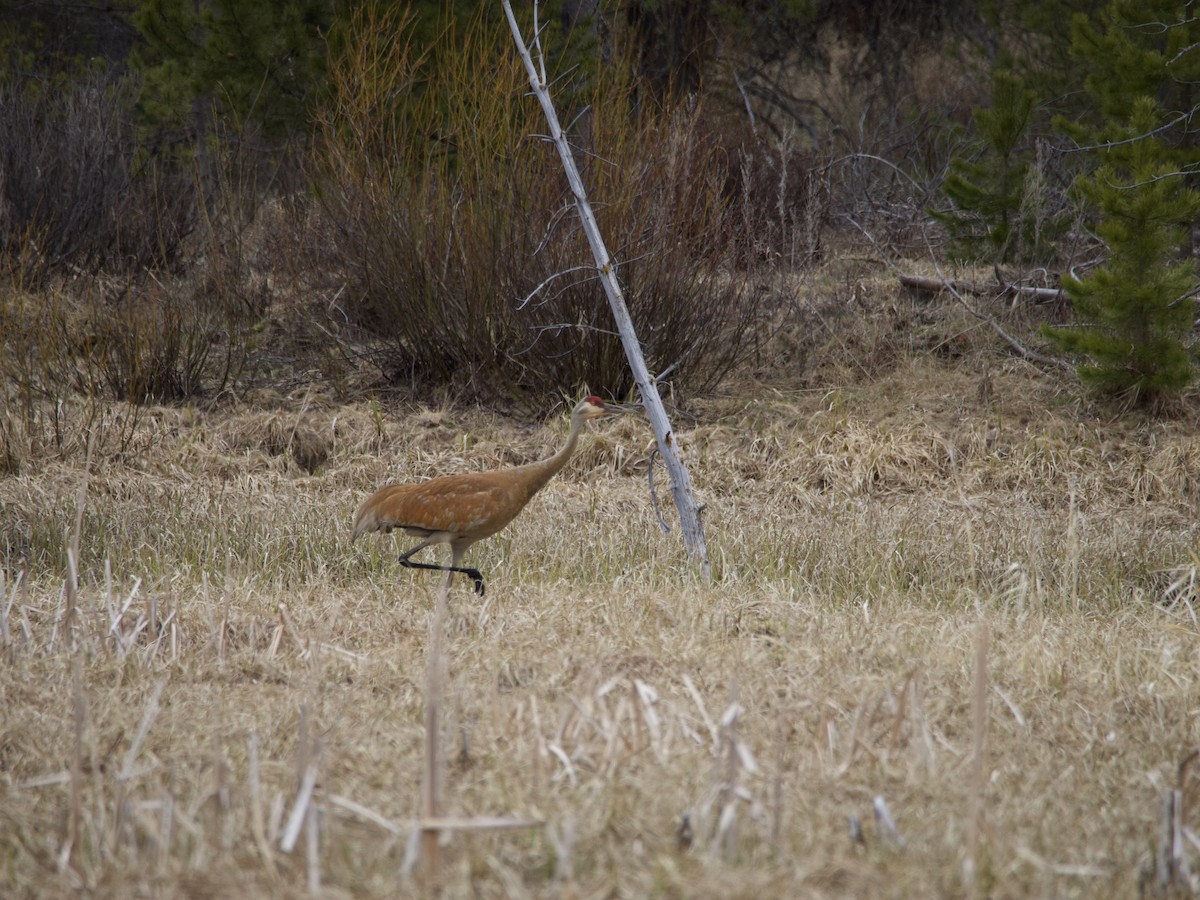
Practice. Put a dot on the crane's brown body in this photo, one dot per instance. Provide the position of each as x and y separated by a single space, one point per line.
461 509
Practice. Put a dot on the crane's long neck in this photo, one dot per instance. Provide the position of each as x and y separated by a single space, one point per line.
539 473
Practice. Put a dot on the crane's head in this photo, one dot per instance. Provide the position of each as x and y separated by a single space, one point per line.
592 408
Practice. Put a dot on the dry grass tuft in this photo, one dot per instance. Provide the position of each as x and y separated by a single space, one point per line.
228 697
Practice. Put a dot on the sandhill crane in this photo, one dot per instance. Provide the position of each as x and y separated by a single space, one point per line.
461 509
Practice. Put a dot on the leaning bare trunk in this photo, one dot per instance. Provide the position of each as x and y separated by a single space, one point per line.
681 488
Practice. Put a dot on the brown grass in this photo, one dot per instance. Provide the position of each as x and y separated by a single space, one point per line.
239 679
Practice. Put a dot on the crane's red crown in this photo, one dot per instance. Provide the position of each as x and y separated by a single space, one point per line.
594 400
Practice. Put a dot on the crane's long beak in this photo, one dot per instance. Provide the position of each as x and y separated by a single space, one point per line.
622 408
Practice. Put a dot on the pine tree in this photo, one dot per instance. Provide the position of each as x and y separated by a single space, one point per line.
254 60
998 213
1135 312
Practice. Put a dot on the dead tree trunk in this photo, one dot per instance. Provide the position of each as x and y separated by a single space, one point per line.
936 285
681 489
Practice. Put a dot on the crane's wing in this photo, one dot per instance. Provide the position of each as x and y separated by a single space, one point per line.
476 504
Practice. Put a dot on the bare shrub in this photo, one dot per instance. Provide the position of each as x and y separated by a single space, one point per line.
775 187
456 233
140 341
153 344
141 334
76 192
862 109
95 232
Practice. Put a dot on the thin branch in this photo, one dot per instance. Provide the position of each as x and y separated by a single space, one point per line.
1180 173
675 365
564 326
746 100
592 155
1190 295
583 112
537 290
1022 350
871 156
1188 49
1108 145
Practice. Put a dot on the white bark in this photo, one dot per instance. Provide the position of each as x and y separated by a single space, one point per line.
681 488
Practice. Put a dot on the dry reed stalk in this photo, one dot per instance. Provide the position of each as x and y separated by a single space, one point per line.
888 832
1165 869
303 645
226 590
478 823
568 766
926 750
276 637
426 836
275 822
435 667
353 806
302 807
148 716
70 617
1185 836
8 595
124 642
71 614
711 726
538 765
75 808
113 617
313 852
853 743
564 844
647 698
308 755
1073 548
734 758
257 828
777 788
224 798
166 830
1173 857
303 747
978 770
156 626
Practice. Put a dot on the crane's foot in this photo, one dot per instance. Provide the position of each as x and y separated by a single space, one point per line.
476 575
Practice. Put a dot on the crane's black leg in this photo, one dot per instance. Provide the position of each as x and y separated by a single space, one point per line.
475 574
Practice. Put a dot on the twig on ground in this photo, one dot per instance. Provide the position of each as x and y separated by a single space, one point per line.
1022 350
886 824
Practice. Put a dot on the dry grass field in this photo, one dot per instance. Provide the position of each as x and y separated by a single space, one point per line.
948 592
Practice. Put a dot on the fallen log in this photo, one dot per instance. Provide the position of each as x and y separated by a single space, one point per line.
936 285
921 282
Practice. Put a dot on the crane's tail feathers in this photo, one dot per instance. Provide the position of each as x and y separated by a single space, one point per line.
475 574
